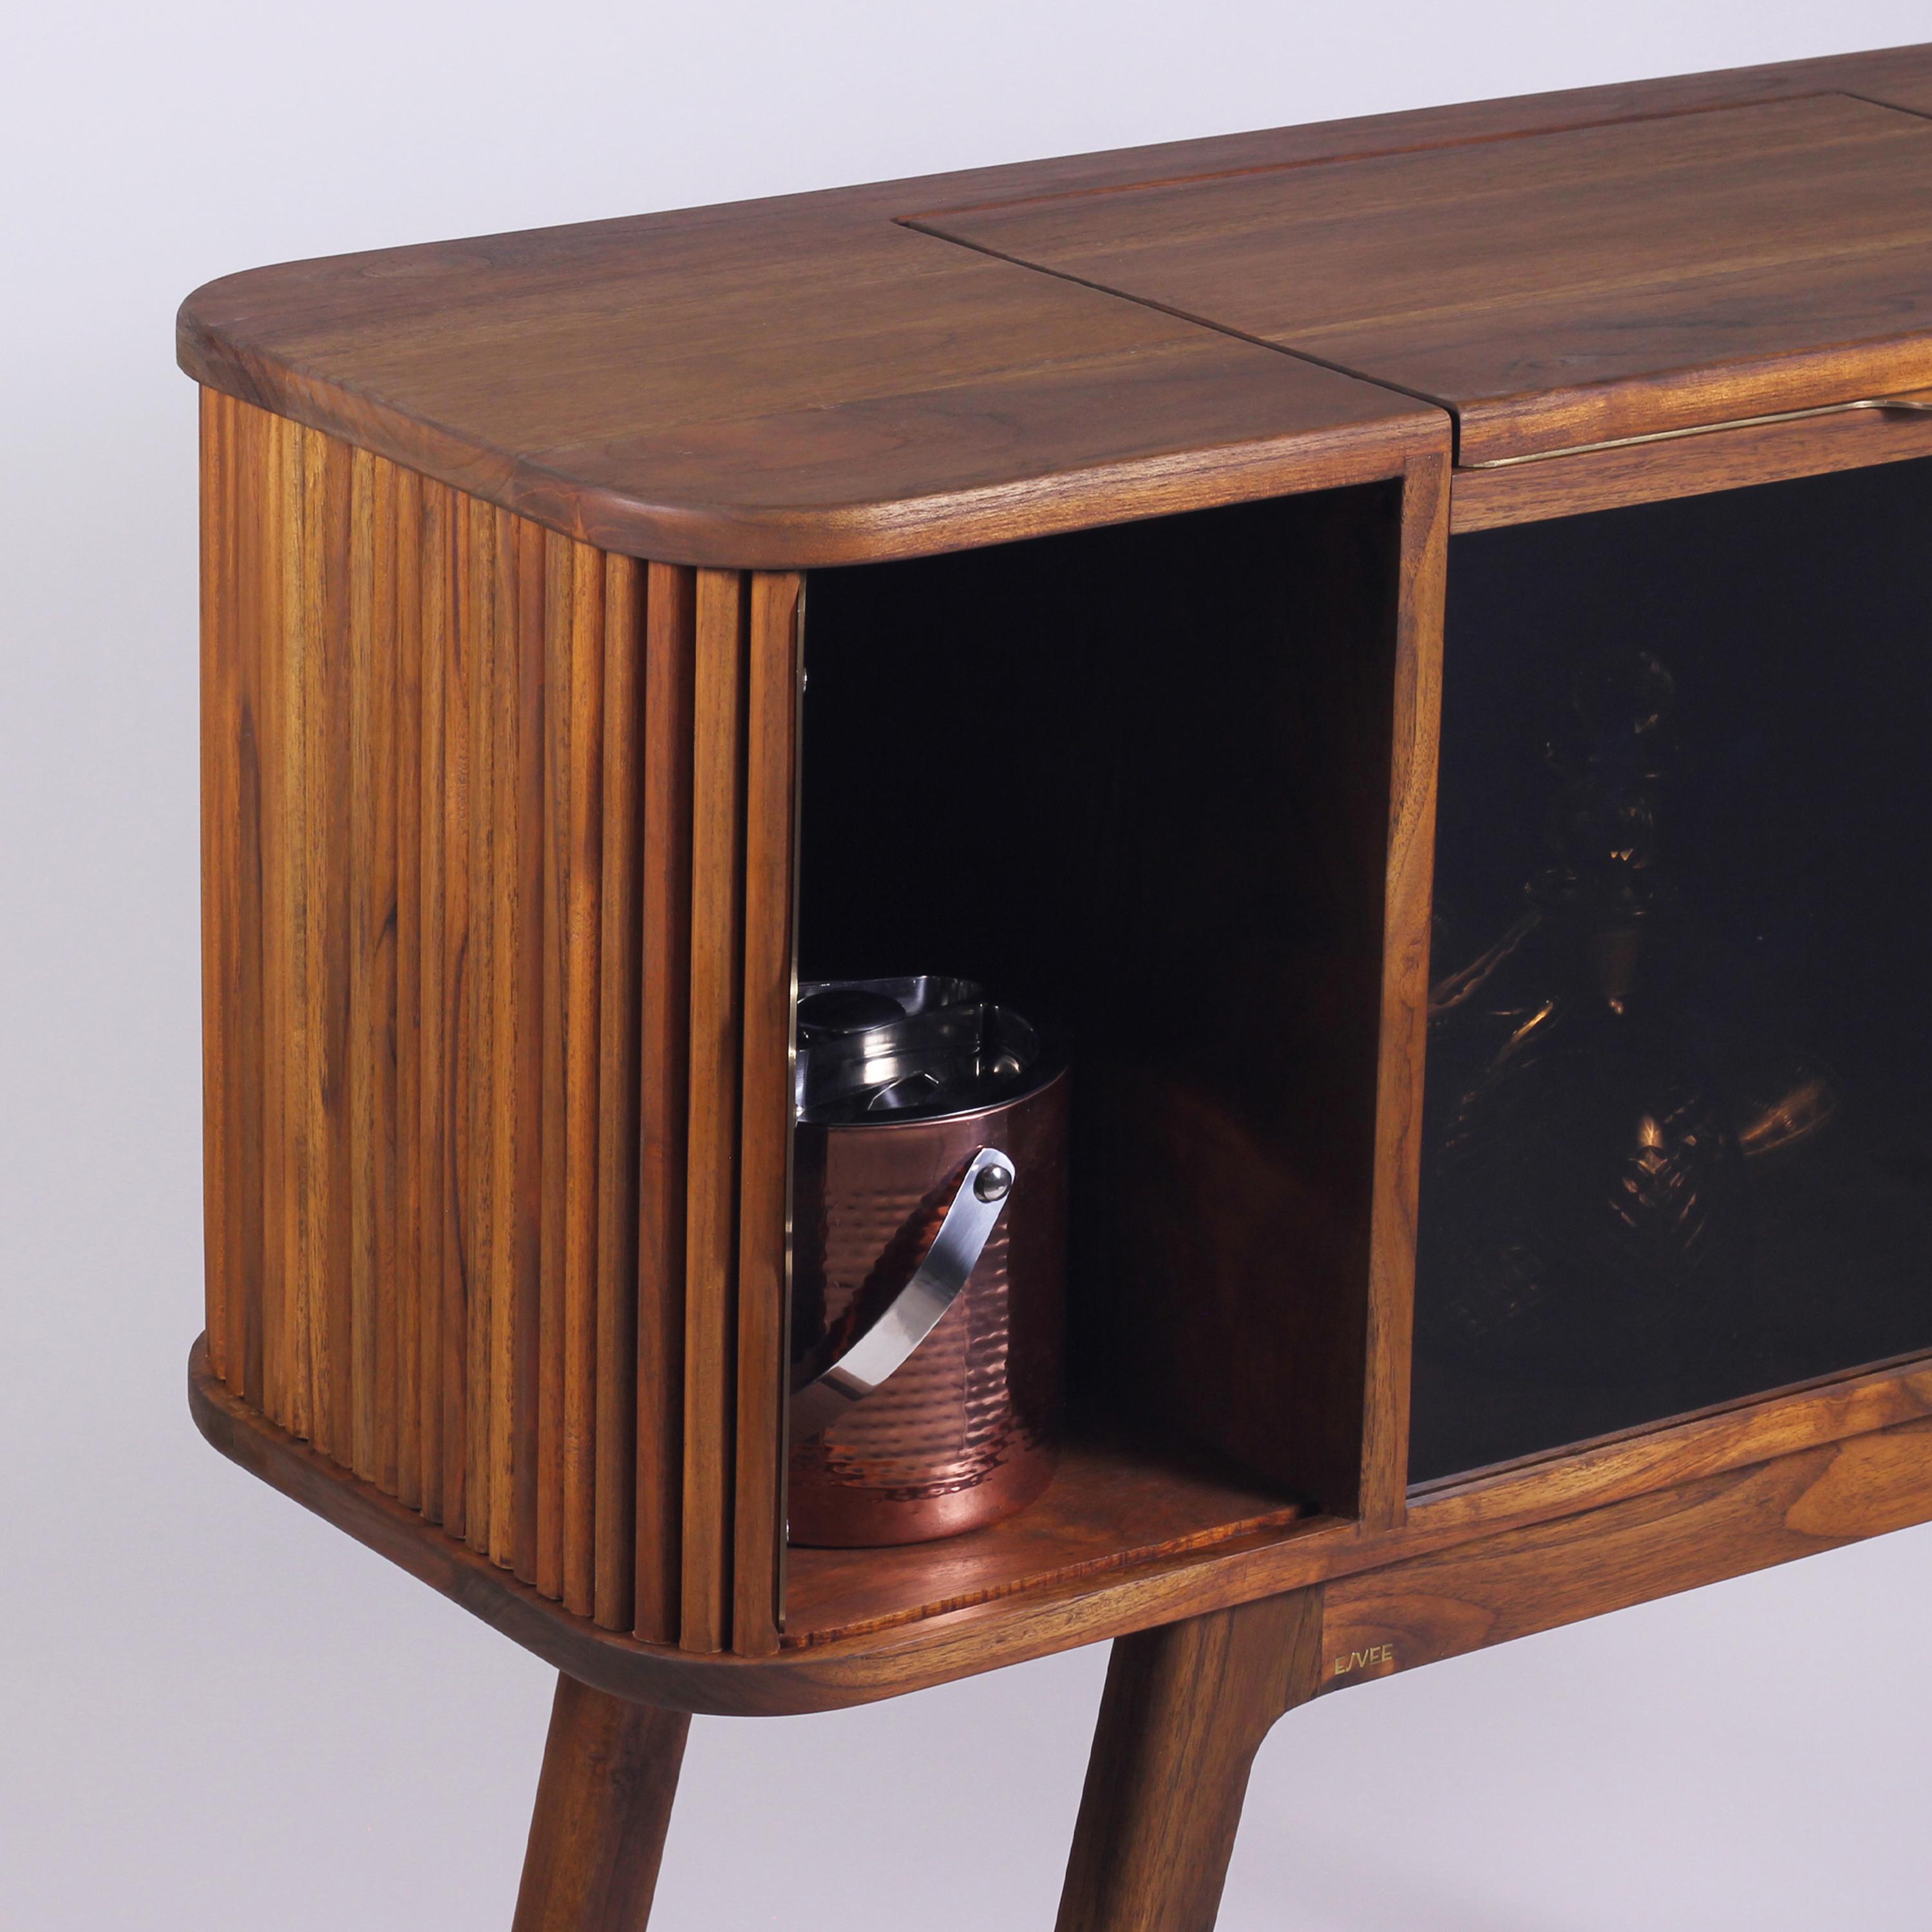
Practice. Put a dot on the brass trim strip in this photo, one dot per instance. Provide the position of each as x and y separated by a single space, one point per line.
1921 401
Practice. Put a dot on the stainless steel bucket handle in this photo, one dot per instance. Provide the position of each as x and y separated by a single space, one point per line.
915 1311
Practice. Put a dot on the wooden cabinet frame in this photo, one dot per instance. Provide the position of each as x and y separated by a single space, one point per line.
522 1180
501 785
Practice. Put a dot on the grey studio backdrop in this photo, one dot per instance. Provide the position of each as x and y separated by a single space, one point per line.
217 1712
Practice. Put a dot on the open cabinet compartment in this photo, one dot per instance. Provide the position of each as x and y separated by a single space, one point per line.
1137 781
1725 1188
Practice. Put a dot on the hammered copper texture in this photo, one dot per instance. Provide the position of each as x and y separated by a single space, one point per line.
965 1433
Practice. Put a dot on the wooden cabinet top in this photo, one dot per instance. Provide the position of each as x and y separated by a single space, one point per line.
1551 289
922 365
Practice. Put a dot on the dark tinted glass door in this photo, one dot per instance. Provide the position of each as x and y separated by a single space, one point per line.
1679 1137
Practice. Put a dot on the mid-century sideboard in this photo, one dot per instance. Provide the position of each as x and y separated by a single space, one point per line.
1044 573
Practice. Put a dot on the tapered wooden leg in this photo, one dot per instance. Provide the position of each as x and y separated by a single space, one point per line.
1185 1710
610 1773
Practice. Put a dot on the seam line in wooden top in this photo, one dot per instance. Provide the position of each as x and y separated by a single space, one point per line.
1873 100
917 225
535 482
933 223
927 222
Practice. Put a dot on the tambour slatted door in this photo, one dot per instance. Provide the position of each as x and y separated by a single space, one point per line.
498 929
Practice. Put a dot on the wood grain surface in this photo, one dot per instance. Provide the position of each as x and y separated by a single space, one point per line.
439 938
664 1121
604 1804
610 1409
572 927
427 914
1532 1579
1552 289
1110 1506
923 397
717 991
918 396
1185 1709
408 1283
221 821
473 1060
1885 1484
372 866
773 669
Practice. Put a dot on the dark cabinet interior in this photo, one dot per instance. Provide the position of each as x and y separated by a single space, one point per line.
1135 782
1678 1145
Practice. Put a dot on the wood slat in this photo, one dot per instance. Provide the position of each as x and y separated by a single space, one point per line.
223 1155
581 687
440 1263
717 931
327 483
511 1048
475 1054
379 1025
764 1175
479 845
556 1104
246 1052
669 698
371 884
613 588
410 1278
516 706
573 885
284 972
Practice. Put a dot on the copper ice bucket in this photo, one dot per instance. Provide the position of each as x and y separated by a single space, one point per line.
929 1262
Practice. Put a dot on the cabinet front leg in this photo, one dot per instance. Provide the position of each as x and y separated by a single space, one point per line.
1185 1710
604 1800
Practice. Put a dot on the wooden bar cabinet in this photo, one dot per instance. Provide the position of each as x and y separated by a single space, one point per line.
1045 573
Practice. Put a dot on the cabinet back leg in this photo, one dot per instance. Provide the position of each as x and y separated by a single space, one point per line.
1185 1710
604 1800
